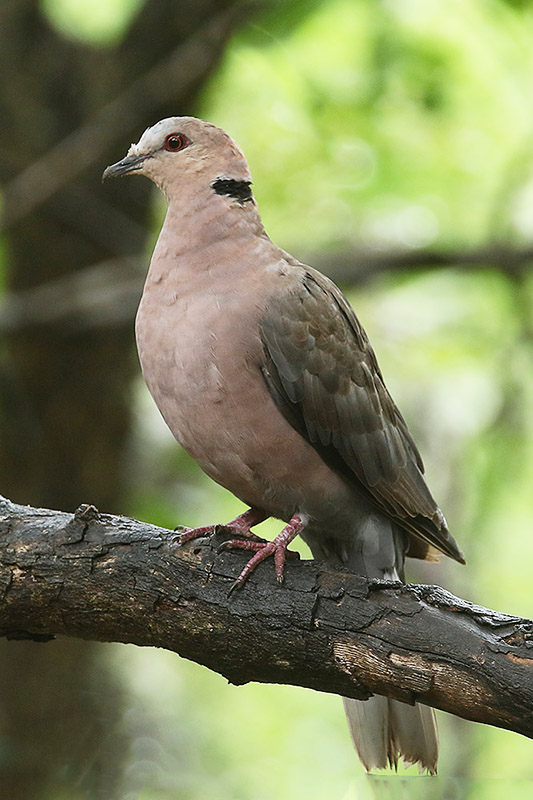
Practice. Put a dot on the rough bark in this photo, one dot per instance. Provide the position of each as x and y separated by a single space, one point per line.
114 579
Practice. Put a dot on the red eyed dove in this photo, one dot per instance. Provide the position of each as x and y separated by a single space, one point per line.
264 374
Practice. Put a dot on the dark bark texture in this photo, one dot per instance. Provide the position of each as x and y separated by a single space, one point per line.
114 579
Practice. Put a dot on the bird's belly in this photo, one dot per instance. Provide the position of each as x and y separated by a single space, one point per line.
213 397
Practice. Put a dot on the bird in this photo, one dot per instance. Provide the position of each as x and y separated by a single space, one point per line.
266 377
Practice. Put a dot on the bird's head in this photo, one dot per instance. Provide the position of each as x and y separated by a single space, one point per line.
179 149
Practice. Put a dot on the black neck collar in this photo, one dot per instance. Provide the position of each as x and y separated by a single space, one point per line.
237 190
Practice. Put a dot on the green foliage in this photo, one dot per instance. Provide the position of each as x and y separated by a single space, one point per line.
387 123
104 24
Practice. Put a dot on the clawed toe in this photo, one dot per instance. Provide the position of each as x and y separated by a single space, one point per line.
242 544
276 548
244 536
190 534
247 540
240 526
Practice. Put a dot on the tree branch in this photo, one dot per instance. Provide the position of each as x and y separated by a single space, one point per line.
108 578
365 265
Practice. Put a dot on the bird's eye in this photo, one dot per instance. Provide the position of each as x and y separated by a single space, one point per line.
176 141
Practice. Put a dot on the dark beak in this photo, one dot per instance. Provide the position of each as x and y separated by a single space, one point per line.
123 167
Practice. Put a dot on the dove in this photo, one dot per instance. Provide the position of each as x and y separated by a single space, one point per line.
265 376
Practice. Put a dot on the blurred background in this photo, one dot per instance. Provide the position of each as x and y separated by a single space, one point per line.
391 144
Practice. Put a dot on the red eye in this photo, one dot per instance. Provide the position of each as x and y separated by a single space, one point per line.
176 141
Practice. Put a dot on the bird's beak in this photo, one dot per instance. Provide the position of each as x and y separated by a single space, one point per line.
124 166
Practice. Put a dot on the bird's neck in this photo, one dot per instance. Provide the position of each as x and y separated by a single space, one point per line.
203 232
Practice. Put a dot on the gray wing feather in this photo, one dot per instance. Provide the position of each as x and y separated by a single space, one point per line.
324 376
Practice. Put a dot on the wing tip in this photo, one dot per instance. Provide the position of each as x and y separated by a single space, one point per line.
430 542
451 548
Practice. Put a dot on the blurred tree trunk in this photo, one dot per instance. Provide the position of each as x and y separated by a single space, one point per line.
65 391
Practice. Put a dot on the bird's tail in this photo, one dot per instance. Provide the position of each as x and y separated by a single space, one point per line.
382 730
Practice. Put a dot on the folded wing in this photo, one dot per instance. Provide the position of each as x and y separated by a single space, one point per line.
324 377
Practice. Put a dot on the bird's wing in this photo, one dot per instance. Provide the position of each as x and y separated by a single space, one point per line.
323 374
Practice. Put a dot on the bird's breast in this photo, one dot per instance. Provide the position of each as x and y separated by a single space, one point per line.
202 359
189 354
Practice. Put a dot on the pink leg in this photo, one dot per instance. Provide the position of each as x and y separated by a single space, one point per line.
240 526
277 548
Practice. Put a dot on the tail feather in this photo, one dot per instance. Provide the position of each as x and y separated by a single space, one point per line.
415 734
384 730
368 723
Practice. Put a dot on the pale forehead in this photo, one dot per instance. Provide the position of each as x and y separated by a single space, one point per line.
153 137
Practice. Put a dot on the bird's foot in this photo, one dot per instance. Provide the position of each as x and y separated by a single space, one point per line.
240 526
277 548
190 534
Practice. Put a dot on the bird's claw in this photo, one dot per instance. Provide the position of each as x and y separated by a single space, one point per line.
190 534
255 543
240 526
262 550
233 530
247 540
277 548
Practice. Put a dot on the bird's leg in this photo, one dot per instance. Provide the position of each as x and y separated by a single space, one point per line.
240 526
277 548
